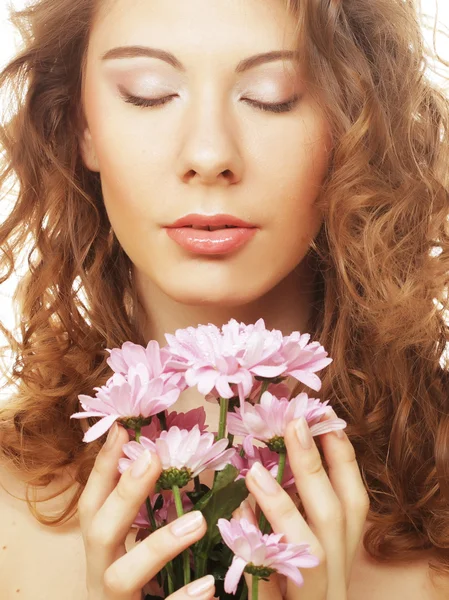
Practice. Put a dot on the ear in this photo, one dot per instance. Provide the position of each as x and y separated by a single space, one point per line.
88 153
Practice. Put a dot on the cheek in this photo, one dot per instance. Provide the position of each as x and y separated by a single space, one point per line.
306 160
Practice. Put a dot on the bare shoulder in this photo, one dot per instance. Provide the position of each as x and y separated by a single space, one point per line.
37 562
414 580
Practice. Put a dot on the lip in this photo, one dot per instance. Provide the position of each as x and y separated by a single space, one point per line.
213 220
220 241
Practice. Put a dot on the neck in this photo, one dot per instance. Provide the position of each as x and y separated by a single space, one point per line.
287 307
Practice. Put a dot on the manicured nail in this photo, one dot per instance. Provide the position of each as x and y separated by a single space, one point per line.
201 586
303 434
141 464
112 436
247 511
187 523
340 433
264 479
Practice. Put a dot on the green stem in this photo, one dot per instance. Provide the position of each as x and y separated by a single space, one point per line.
185 554
263 389
169 566
255 588
223 415
197 484
244 593
263 523
224 402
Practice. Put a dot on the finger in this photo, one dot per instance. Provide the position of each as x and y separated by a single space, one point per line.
284 517
346 479
103 477
324 511
138 566
202 589
111 524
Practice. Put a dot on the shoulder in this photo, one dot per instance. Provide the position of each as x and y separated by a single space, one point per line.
36 561
413 580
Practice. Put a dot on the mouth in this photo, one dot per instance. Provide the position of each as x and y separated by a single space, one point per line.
210 227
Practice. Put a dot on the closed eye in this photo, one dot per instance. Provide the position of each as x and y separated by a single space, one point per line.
154 102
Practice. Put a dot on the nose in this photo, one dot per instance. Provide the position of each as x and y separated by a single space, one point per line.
209 154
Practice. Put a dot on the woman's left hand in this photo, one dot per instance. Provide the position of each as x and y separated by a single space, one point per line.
336 507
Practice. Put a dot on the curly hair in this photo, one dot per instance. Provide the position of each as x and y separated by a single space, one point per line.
381 258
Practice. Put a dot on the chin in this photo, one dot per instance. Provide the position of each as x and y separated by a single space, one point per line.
209 295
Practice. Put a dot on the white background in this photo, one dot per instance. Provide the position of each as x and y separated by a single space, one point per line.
8 46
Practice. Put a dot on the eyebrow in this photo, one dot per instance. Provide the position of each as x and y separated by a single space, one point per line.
243 65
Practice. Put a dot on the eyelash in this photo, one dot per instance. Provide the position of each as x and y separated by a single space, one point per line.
152 103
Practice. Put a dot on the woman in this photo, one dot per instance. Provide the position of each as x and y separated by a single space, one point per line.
334 154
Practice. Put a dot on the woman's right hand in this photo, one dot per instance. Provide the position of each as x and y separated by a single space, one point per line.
107 508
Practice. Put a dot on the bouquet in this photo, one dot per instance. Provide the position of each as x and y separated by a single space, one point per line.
245 369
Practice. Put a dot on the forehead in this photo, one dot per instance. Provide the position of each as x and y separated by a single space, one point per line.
190 24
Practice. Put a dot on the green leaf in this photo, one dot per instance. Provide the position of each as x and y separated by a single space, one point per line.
151 597
221 504
224 478
194 496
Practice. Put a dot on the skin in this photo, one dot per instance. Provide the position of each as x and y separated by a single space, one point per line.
209 150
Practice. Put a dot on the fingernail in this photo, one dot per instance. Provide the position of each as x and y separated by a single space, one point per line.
264 479
187 523
303 434
201 586
112 436
339 433
141 464
247 512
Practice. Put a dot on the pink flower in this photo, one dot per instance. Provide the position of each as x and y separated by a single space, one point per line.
135 395
152 357
187 420
277 389
253 549
189 451
165 514
268 458
268 420
303 360
213 358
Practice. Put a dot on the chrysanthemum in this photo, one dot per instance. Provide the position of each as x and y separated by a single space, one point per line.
303 360
165 514
213 358
187 420
268 458
183 454
132 397
268 420
153 357
261 554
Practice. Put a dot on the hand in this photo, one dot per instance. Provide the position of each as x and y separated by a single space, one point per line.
107 508
336 508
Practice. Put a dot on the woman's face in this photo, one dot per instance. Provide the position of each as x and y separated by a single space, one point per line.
210 149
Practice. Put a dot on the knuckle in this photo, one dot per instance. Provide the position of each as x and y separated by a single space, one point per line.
360 503
113 583
333 517
314 465
286 510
